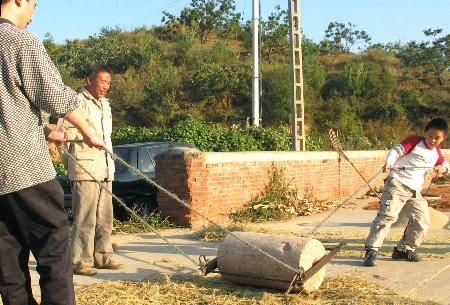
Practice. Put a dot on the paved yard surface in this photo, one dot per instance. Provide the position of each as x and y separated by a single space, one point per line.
145 254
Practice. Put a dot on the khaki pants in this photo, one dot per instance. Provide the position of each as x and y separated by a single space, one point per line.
93 222
397 196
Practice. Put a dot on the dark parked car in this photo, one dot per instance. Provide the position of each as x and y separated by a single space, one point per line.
132 189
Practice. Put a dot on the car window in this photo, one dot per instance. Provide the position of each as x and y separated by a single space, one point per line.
146 164
182 145
125 154
157 149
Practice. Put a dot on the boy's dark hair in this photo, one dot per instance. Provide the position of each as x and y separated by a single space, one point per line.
93 70
437 123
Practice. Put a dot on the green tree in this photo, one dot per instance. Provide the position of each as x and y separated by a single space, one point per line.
276 100
182 49
110 48
233 28
49 44
274 33
341 37
204 16
161 101
433 55
214 82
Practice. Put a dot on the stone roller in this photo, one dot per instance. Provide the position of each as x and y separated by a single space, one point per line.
240 264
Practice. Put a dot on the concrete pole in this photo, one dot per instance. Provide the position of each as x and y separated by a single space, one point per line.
298 103
255 86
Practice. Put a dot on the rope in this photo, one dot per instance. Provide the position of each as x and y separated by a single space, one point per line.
186 205
338 147
128 209
343 203
183 203
431 184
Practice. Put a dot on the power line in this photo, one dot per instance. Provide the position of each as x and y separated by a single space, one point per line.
156 12
173 7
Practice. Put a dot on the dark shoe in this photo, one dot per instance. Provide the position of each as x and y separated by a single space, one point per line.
370 257
84 270
407 255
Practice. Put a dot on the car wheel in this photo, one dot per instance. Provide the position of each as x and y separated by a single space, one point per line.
145 205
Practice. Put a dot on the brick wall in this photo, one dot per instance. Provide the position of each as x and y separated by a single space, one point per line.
216 183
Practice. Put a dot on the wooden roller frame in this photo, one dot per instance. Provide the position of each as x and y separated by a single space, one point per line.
210 266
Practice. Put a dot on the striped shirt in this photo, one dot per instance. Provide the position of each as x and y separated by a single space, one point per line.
29 83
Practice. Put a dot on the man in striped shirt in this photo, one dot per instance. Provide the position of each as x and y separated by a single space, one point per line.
32 216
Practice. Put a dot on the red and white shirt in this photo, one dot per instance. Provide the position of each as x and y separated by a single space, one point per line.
412 159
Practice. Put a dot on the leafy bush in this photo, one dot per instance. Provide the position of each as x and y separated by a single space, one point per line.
219 138
134 225
208 137
182 49
316 142
60 169
271 139
128 134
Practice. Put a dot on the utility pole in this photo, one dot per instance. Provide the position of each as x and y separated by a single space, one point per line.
298 104
255 80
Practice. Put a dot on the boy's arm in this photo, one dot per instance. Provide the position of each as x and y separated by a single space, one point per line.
393 154
442 166
399 150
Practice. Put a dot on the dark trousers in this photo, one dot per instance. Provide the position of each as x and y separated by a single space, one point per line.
34 219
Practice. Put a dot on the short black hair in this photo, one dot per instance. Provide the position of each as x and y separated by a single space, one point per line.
92 70
437 123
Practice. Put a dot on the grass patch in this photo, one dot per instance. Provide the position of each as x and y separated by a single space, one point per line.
280 201
212 290
133 225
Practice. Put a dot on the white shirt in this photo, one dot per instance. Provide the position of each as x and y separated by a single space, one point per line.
411 160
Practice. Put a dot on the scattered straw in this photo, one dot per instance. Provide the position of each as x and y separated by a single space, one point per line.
443 180
213 233
198 290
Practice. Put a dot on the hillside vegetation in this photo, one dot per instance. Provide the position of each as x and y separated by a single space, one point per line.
196 69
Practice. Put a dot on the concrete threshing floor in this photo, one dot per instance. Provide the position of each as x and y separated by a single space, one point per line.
145 254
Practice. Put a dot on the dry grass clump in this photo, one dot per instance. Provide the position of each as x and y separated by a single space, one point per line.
440 205
436 245
213 233
280 201
443 180
198 290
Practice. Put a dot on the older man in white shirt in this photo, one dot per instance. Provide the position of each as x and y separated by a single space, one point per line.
91 204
